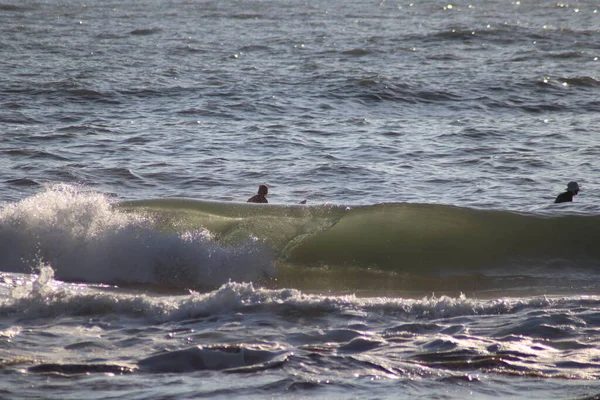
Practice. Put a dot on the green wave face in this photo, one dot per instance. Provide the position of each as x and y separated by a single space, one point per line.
398 237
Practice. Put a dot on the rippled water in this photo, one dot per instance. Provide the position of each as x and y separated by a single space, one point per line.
492 104
488 105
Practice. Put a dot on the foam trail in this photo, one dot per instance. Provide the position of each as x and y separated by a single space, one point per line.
48 298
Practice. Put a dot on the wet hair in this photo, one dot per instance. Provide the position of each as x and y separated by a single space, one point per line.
263 189
573 187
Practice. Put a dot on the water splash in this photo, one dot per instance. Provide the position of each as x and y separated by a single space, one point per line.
85 238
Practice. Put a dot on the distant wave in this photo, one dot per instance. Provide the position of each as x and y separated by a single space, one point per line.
145 31
11 7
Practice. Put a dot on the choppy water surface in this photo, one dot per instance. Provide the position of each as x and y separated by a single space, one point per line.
488 104
429 139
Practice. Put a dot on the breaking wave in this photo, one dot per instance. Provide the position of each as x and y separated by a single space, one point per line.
185 243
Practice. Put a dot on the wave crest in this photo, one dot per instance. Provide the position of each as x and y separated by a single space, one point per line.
84 238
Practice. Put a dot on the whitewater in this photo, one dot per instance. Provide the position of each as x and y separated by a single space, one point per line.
428 139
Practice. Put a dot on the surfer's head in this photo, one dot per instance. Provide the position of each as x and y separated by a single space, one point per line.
573 187
263 189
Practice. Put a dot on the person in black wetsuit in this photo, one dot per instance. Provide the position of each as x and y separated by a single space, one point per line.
572 190
261 197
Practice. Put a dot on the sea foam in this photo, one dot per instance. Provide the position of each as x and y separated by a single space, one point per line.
84 238
43 297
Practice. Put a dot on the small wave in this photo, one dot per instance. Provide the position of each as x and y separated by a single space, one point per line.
11 7
246 16
22 182
188 49
145 31
560 83
70 89
79 369
255 48
227 358
158 93
34 154
70 130
583 81
85 94
380 89
570 55
138 139
121 173
18 118
357 52
43 297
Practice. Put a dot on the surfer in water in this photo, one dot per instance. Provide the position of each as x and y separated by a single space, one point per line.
261 196
572 190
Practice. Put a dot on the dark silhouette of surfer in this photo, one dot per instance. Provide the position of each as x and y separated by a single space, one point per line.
261 196
572 190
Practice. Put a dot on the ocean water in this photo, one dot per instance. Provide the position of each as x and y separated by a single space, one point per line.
429 140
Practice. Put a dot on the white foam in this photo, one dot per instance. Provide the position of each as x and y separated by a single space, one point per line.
47 298
84 238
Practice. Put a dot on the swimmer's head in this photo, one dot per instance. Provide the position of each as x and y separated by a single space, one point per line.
573 187
263 189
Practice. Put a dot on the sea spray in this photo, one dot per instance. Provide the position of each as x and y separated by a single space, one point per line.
85 238
40 286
